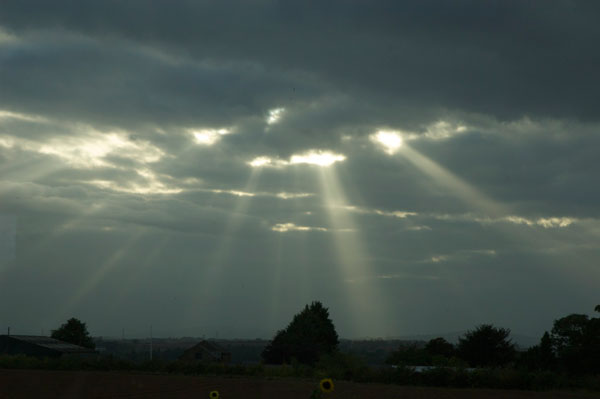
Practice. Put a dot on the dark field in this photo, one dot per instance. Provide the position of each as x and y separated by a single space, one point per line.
69 384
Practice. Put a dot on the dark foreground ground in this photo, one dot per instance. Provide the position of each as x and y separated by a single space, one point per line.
19 384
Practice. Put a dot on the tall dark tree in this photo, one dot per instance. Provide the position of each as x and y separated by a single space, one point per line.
568 331
310 335
576 338
540 356
547 358
439 347
486 346
74 332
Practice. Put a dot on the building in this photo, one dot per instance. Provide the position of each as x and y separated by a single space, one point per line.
206 351
38 346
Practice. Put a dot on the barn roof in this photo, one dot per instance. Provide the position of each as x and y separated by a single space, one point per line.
50 343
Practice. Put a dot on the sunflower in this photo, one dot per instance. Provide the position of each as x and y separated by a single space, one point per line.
214 394
326 385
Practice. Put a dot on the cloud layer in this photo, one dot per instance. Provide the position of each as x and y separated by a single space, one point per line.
420 167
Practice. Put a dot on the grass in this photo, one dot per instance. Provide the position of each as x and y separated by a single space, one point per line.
338 366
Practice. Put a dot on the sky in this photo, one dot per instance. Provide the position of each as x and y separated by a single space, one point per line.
209 168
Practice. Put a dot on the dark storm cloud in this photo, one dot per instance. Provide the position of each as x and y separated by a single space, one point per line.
109 165
117 84
499 58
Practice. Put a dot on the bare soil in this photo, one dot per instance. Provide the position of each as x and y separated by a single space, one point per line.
18 384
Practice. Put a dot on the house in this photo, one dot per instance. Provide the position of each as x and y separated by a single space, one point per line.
40 346
206 351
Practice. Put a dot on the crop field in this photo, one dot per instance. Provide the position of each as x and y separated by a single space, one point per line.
17 384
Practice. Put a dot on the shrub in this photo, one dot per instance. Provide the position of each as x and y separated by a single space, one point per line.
342 366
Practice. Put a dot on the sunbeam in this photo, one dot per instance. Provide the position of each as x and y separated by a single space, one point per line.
481 203
98 275
285 278
453 183
364 299
537 238
26 170
210 275
141 267
82 220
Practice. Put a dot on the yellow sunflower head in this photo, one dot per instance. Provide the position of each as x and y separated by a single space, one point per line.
326 385
214 395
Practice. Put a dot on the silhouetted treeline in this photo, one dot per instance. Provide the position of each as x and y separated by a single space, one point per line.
572 347
567 357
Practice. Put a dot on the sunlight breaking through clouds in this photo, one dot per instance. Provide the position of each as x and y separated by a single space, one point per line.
239 193
90 150
4 114
208 137
252 170
460 255
319 158
547 223
551 222
442 130
312 157
351 251
150 185
396 214
233 192
275 115
419 228
267 162
287 227
285 195
390 141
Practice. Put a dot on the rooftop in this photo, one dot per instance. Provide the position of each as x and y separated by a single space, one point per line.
50 343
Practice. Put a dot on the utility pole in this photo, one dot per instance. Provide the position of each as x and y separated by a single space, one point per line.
8 333
150 342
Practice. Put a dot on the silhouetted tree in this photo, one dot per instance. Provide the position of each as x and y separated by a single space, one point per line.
540 356
486 346
74 332
547 358
310 335
576 338
439 347
568 331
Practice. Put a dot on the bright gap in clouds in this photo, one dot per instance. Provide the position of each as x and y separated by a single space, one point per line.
286 227
208 136
91 150
275 115
390 141
261 161
313 157
319 158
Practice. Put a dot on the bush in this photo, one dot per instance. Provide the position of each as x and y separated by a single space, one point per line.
437 377
342 366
